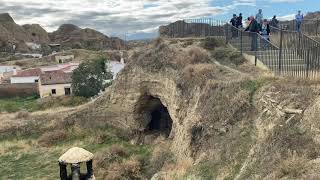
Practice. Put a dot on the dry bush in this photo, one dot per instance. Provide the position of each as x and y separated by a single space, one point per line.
161 157
293 166
129 169
100 138
211 43
197 75
22 114
114 154
198 56
50 138
228 56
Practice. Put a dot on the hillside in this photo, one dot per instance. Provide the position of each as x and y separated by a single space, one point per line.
74 37
28 37
180 109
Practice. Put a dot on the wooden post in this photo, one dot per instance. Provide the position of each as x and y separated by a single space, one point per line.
63 171
89 169
75 169
280 51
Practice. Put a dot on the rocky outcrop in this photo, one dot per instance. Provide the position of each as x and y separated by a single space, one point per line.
32 37
71 36
21 36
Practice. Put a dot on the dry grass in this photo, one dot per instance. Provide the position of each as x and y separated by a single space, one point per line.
129 169
50 138
114 154
22 114
293 166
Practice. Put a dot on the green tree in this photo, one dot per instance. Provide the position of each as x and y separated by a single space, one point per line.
89 78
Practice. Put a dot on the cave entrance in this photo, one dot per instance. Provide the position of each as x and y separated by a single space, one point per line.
158 117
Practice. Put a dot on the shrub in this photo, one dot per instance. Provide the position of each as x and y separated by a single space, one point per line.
50 138
211 43
293 166
129 169
197 56
114 154
22 114
227 56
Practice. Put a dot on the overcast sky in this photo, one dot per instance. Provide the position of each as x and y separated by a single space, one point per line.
138 18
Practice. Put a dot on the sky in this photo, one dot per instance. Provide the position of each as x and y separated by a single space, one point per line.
139 19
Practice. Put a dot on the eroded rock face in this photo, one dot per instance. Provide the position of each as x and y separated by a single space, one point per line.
188 86
71 36
26 37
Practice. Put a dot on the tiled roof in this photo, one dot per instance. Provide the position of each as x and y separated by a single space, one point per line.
28 73
55 77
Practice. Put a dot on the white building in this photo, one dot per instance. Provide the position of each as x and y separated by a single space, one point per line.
115 68
26 76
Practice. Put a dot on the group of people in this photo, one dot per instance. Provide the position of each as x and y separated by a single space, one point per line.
257 24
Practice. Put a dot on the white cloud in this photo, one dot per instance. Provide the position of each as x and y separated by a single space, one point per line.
111 16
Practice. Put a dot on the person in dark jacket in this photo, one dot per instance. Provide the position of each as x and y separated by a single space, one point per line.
253 28
274 22
233 22
265 33
239 21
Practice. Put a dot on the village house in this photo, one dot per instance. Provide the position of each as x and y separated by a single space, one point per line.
26 76
55 83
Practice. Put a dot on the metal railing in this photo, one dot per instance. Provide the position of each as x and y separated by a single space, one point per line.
193 28
286 53
308 27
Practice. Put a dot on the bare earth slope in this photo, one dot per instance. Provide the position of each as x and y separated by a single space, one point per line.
223 120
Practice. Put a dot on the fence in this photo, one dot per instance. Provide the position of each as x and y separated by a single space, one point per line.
308 27
193 28
288 53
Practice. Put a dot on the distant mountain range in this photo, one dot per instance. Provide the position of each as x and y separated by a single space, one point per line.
27 38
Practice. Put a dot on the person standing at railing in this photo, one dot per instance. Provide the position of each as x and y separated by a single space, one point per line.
265 33
254 28
239 21
299 18
274 22
233 22
259 17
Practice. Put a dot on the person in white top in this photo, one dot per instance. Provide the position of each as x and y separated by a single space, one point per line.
299 19
259 17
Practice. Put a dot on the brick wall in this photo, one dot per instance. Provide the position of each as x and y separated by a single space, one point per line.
18 90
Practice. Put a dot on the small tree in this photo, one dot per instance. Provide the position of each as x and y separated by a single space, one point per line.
89 78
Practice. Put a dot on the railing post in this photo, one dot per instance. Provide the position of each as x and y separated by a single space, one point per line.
183 28
317 26
255 35
308 63
227 33
280 51
241 45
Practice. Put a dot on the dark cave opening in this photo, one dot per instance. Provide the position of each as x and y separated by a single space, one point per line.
159 120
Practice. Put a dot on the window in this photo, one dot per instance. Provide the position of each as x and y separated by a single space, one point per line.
53 91
67 91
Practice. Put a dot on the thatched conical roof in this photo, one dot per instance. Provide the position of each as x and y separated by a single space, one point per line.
76 155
